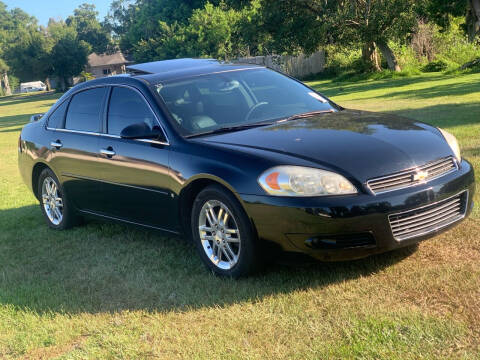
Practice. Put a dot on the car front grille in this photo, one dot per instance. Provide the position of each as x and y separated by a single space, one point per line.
413 176
427 219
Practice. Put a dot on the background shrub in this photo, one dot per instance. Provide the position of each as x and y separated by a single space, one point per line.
435 66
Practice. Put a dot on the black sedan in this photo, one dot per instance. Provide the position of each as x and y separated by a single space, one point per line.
240 158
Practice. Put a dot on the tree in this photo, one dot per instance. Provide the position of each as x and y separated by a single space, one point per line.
69 56
5 85
84 21
249 37
224 31
209 32
145 21
29 56
441 11
169 43
32 52
473 19
163 29
119 18
13 24
370 23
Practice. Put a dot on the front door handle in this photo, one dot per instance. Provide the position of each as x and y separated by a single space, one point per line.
56 144
108 152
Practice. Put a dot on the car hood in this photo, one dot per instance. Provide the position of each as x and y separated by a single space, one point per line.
358 144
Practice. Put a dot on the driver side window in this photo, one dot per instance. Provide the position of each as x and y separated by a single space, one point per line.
126 108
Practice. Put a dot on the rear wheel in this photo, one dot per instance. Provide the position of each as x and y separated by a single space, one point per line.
53 202
223 234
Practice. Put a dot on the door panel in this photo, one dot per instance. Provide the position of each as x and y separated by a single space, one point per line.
77 163
137 183
75 147
135 173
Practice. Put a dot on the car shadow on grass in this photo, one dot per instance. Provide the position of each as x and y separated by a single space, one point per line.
105 267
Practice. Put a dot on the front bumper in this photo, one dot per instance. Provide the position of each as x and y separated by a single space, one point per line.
351 227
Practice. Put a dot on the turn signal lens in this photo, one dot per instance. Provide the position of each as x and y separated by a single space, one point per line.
272 180
304 181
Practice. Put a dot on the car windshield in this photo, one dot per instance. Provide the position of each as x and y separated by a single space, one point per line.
231 99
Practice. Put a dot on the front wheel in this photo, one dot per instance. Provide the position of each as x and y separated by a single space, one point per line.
223 234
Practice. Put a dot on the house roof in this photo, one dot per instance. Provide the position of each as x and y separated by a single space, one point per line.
107 59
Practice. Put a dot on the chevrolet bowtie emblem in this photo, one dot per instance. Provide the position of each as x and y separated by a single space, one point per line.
420 176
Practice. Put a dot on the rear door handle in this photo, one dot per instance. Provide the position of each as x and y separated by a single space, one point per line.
56 144
108 152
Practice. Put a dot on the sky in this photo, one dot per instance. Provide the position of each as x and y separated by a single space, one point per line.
45 9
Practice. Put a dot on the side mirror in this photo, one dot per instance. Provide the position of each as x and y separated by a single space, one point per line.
36 117
140 131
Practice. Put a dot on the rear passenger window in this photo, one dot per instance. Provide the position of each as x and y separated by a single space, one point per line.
55 120
127 107
84 112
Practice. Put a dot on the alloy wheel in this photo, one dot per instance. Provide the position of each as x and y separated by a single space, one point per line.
219 234
52 201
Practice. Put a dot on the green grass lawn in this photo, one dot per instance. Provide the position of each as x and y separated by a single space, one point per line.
107 291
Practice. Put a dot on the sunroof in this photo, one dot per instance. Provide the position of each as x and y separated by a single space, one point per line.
164 66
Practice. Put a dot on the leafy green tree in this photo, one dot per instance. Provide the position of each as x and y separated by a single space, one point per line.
249 37
119 18
69 56
14 25
55 29
88 28
219 31
85 76
169 43
15 20
293 26
209 32
225 32
145 21
309 24
29 56
32 52
441 12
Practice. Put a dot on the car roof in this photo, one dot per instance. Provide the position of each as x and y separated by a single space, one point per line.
166 70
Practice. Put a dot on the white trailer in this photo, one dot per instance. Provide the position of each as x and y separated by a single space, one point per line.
32 86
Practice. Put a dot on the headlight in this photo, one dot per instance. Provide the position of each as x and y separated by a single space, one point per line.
452 141
304 181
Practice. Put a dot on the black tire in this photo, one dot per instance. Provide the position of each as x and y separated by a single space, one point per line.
69 217
248 260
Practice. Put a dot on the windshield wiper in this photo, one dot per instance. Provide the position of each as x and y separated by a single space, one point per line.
226 129
305 115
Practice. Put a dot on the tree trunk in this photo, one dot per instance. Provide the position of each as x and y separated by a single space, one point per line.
473 19
370 56
62 83
6 83
47 83
389 56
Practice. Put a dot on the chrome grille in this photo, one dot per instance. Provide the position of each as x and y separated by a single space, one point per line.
428 218
413 176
